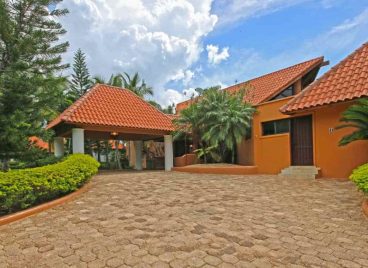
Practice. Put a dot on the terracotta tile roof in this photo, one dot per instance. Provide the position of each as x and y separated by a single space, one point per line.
106 105
346 81
266 86
39 142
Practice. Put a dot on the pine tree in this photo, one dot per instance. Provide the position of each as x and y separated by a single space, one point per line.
81 81
30 57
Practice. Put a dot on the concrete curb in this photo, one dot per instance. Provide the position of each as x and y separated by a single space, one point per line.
37 209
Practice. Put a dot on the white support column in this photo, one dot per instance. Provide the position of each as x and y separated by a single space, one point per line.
59 146
169 156
138 145
78 140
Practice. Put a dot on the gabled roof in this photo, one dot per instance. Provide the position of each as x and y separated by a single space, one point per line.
105 105
346 81
264 87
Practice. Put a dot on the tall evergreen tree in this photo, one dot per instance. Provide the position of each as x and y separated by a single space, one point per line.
30 55
81 81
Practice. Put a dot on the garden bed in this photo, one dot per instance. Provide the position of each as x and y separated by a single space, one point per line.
21 189
39 208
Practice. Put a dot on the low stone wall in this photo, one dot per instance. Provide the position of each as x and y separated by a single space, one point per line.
185 160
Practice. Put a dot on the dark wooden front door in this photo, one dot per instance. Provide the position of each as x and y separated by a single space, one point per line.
301 141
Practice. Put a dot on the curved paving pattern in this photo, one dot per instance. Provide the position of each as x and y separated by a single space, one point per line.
158 219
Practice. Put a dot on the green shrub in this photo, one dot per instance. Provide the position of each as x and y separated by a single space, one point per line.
33 157
48 160
360 178
20 189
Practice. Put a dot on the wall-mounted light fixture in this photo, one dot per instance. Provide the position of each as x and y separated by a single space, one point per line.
114 133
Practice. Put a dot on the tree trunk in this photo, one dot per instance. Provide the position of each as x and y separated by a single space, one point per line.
195 140
233 151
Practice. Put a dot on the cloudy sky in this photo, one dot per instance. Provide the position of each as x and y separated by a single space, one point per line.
178 45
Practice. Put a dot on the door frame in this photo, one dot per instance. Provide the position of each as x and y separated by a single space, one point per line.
312 137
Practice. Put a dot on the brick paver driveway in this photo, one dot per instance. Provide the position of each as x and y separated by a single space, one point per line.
157 219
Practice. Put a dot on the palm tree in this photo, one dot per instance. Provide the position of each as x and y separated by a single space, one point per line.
115 80
188 123
356 116
136 84
227 118
208 151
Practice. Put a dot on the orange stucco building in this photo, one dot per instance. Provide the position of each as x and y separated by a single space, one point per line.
296 118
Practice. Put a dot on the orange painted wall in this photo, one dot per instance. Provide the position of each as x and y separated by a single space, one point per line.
335 161
245 152
271 153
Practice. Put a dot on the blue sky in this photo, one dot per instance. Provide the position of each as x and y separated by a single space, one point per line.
180 45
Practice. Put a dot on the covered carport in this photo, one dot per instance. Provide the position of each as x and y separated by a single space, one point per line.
113 113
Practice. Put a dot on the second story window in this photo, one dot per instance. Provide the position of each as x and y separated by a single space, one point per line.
285 93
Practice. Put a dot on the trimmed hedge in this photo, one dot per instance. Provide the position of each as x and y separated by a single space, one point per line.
20 189
360 178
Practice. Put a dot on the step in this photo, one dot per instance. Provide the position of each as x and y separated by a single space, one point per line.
305 176
288 171
308 172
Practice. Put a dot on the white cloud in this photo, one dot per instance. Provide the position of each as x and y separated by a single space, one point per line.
334 44
214 56
350 33
159 39
185 76
231 11
171 96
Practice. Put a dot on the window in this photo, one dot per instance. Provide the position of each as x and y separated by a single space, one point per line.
285 93
275 127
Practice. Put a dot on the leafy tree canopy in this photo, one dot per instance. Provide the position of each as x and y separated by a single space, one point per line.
80 79
30 57
216 119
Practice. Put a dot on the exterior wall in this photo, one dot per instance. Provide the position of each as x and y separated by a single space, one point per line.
271 153
245 152
335 161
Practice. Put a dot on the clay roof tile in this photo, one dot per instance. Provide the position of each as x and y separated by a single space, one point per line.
345 81
112 106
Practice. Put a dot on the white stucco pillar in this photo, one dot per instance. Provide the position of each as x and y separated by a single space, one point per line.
169 156
78 140
138 145
59 146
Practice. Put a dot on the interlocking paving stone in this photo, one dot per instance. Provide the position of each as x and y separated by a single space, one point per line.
167 219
